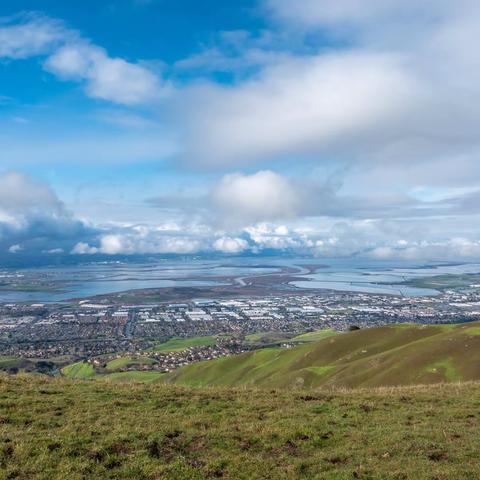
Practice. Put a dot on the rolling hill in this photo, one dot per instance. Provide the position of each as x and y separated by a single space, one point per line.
254 424
392 355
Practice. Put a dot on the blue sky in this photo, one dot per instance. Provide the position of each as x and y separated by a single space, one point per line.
161 126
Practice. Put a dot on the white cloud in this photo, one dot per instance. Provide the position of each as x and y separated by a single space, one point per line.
316 13
114 244
230 245
300 106
82 248
398 91
15 248
140 240
264 195
27 35
54 251
32 218
106 78
452 249
73 58
24 194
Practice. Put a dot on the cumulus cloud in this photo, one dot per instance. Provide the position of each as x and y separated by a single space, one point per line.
27 35
32 218
277 237
245 199
71 57
140 240
107 78
450 249
397 88
25 194
390 101
83 248
230 245
264 195
300 106
15 248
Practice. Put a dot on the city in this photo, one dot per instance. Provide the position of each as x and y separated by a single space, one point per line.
100 332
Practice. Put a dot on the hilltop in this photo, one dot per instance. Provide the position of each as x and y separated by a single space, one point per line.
53 429
404 354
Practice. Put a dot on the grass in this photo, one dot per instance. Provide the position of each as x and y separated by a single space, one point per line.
139 376
383 356
446 368
179 344
321 370
54 429
473 331
255 337
78 370
268 338
123 362
277 338
84 371
314 336
8 361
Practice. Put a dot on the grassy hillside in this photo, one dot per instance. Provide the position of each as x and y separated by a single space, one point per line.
313 336
138 376
389 355
129 361
179 344
86 371
53 429
78 370
277 338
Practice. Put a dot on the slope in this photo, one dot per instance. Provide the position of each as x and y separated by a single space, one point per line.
383 356
56 429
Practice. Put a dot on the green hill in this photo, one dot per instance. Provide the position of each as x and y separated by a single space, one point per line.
78 370
179 344
56 429
383 356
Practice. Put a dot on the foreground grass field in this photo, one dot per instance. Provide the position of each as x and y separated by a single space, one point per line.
61 429
402 354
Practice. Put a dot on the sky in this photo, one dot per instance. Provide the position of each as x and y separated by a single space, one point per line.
319 127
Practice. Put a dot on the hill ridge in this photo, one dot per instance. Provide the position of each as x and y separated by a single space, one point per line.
388 355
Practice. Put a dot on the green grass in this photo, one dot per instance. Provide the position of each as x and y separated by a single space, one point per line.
321 370
8 361
314 336
122 362
473 331
268 338
56 429
385 356
78 370
258 337
446 368
277 338
83 370
139 376
179 344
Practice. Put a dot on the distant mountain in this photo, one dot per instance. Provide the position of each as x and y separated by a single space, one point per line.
403 354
